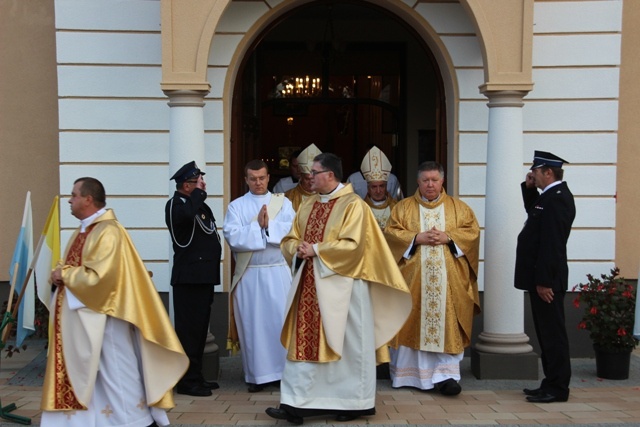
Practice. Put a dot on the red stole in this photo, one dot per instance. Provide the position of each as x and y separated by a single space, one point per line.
65 399
308 321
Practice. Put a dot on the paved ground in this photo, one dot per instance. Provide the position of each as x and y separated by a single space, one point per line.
593 401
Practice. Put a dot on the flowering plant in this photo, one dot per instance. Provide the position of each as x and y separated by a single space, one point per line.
609 311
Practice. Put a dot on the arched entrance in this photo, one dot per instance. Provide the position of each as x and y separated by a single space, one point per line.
341 75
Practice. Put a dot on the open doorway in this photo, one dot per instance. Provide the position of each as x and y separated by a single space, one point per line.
344 76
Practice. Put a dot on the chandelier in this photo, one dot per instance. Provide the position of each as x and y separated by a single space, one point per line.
298 87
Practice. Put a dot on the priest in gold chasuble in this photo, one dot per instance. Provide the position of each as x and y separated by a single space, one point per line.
114 357
435 239
348 299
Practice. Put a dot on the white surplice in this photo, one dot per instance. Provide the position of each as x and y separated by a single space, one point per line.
260 295
422 369
348 383
118 398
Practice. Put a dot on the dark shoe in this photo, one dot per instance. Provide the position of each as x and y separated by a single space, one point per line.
196 390
211 385
532 391
448 387
544 397
281 414
346 417
254 388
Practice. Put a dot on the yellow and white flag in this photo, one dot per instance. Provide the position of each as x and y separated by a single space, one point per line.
49 253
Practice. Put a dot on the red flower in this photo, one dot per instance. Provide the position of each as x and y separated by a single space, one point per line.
609 307
582 325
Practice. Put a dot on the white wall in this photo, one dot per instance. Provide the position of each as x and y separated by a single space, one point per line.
114 118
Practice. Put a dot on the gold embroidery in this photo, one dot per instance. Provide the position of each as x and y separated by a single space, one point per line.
434 284
65 398
107 411
308 319
142 404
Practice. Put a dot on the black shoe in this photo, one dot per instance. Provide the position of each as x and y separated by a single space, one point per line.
346 417
211 385
448 387
254 388
281 414
544 397
532 391
196 390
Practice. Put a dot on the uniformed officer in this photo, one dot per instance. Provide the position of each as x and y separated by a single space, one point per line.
196 270
541 269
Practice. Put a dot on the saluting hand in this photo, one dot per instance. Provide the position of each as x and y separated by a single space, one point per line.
529 181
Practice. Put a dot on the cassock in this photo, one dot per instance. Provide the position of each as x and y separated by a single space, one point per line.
381 210
259 294
344 306
444 288
114 357
297 195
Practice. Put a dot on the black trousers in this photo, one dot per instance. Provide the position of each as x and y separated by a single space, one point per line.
192 313
549 321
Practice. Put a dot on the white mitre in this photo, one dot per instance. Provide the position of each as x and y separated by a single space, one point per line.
305 158
375 166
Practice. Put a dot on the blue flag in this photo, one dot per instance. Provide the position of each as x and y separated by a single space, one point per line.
22 257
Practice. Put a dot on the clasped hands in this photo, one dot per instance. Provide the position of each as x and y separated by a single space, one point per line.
432 237
263 217
305 251
56 277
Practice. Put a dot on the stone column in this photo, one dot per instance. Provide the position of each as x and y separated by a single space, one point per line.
186 143
502 350
186 133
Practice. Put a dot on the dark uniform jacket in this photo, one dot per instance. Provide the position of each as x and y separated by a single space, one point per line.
199 261
541 255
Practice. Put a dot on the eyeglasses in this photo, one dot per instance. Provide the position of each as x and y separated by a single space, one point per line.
192 182
314 173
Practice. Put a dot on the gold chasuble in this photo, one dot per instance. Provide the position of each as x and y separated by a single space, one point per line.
297 195
444 287
351 245
64 399
104 271
382 211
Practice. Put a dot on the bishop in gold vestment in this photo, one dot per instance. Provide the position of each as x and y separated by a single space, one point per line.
304 189
376 169
114 357
435 240
348 299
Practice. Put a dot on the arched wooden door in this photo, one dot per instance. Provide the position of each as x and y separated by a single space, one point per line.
341 93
